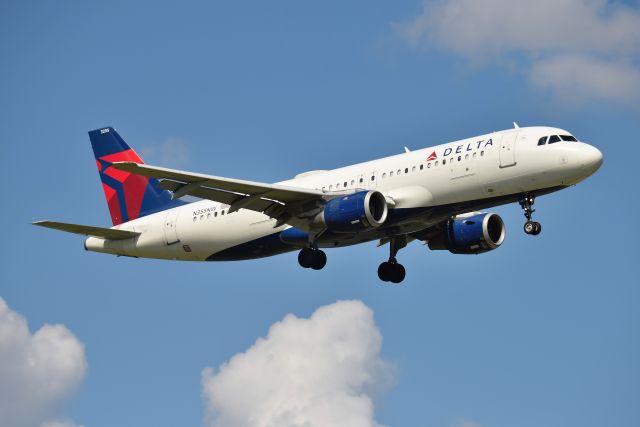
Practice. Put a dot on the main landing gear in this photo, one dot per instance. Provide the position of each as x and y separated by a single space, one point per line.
312 258
530 227
392 271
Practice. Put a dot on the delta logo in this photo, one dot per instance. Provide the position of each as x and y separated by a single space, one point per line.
462 148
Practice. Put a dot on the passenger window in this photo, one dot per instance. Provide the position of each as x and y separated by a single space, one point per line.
406 170
413 169
421 166
373 177
331 187
466 157
391 173
436 163
568 138
474 154
195 218
444 161
215 214
345 184
399 171
429 165
553 139
542 140
361 180
459 158
384 175
482 153
222 212
208 215
353 182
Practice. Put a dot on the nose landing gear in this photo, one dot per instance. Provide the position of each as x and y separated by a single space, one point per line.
530 227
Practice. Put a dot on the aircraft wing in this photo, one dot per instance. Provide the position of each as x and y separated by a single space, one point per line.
88 230
276 201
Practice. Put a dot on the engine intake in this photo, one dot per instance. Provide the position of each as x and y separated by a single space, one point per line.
471 235
354 212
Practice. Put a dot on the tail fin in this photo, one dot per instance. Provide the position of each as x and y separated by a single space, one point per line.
129 196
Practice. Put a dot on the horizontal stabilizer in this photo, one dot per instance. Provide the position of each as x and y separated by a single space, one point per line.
87 230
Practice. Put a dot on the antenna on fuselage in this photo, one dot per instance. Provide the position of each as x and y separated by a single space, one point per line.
406 150
515 125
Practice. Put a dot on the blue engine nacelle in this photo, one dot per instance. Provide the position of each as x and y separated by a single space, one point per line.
354 212
471 235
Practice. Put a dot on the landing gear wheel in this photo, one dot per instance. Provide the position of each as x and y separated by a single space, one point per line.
305 257
537 228
391 272
529 227
398 273
533 228
312 258
319 260
383 271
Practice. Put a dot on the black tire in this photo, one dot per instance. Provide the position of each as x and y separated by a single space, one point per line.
398 273
383 271
537 228
319 260
529 227
305 258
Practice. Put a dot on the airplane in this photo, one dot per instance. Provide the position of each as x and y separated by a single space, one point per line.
435 195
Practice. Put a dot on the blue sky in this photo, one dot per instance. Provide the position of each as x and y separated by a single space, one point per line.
543 331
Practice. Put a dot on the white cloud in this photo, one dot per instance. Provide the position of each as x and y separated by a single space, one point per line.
576 77
173 152
548 37
37 371
65 423
320 371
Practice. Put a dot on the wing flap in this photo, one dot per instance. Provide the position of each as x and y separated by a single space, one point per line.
88 230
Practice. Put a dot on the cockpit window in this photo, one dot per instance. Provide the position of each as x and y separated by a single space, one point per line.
553 139
542 140
568 138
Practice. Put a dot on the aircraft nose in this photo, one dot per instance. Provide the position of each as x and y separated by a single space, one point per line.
591 158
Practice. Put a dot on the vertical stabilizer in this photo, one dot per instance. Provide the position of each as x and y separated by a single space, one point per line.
129 196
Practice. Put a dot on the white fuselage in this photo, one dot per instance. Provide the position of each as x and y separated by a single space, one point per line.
451 178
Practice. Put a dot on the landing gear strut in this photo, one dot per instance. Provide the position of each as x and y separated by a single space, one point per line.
312 258
530 227
392 271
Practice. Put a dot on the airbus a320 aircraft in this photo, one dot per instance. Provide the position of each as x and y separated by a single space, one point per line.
432 195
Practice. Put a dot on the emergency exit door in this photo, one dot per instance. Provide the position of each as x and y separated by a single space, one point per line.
170 229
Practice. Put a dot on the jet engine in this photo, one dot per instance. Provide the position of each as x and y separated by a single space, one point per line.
354 212
474 234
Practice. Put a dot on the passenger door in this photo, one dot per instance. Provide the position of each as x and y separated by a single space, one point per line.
508 149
